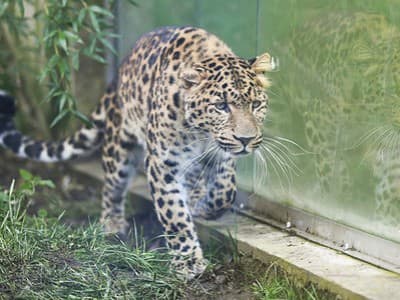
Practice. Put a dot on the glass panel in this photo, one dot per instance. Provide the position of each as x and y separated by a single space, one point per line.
235 23
337 95
150 14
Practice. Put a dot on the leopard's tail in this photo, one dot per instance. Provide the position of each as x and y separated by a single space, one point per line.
82 143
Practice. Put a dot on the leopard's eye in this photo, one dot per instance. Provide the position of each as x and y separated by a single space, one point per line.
222 106
255 104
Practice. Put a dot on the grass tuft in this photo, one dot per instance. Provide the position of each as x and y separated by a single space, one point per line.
275 284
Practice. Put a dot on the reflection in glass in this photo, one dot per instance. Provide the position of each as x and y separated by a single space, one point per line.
337 95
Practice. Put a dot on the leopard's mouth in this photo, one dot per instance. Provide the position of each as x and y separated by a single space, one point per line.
236 150
239 146
242 153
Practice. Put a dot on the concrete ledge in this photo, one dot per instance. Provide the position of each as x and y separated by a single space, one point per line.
306 261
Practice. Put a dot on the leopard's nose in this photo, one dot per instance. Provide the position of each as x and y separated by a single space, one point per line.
244 139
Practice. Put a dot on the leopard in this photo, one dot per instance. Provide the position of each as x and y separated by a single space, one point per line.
349 106
193 107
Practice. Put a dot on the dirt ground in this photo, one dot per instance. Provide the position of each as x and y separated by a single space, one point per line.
78 197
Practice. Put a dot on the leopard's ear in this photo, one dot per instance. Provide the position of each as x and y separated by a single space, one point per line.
193 76
261 64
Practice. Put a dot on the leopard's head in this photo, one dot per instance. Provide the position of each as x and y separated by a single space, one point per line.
225 96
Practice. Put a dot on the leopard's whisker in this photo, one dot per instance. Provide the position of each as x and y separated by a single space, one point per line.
210 151
216 162
272 163
284 153
204 169
389 145
283 166
209 148
270 91
379 140
364 138
394 142
197 141
375 136
286 158
378 134
279 139
261 171
196 159
385 144
267 120
272 140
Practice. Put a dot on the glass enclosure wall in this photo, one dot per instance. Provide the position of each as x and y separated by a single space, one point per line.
333 132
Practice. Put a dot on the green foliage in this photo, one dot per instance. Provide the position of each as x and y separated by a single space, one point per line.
51 42
30 182
13 202
64 22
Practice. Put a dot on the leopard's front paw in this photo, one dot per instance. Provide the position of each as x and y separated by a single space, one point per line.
115 227
190 268
202 209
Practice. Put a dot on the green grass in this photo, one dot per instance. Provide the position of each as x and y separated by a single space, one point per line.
275 284
40 258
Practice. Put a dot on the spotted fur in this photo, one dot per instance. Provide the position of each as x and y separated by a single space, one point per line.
194 106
